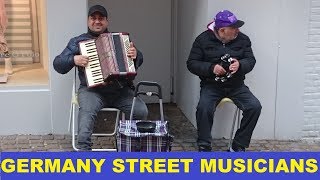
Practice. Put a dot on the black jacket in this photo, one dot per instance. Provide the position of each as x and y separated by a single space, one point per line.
207 50
64 62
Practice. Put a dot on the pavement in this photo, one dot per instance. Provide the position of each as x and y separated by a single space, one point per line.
184 133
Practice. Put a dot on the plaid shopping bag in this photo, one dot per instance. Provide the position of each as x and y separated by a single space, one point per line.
129 139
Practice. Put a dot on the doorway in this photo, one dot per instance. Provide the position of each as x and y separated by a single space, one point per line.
149 24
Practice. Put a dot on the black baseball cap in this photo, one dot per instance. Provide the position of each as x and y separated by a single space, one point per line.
98 8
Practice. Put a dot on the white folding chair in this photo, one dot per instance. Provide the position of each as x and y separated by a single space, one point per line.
72 121
236 118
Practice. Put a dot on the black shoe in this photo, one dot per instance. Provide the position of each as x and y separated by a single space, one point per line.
236 148
205 149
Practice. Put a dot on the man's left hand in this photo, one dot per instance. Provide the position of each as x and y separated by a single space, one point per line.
234 67
132 52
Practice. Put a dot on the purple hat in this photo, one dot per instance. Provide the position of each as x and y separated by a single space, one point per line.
225 18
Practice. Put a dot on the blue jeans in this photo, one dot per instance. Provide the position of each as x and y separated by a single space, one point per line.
210 96
92 100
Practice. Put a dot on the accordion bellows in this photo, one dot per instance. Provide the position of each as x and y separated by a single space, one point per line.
108 58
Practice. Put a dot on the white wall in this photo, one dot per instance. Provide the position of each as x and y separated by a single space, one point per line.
192 20
149 25
270 81
25 111
66 19
293 38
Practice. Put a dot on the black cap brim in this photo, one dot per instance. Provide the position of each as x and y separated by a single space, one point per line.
238 24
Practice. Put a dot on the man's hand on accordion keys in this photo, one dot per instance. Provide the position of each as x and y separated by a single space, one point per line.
81 60
132 52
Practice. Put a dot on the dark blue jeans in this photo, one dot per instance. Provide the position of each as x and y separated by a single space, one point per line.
92 100
210 96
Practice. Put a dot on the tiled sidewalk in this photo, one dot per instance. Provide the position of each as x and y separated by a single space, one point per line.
180 127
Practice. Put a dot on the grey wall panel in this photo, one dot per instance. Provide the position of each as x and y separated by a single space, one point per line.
293 38
25 112
64 23
192 20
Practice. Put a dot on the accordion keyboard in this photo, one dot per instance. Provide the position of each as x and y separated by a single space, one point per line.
93 69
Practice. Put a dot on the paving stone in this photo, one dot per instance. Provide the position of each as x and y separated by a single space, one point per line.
36 141
6 147
26 150
35 137
22 137
52 146
11 150
22 141
23 146
66 146
51 141
65 141
8 141
59 137
10 137
48 137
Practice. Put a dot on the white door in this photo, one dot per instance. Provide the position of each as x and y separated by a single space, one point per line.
149 25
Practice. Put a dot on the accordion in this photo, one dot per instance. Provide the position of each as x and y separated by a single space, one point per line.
108 58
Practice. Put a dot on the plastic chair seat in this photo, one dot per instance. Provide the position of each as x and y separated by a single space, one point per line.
236 118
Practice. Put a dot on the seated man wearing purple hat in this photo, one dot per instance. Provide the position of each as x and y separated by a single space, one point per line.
222 39
91 100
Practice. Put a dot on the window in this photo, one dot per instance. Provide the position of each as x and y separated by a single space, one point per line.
26 40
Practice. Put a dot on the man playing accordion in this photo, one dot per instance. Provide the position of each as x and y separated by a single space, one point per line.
117 94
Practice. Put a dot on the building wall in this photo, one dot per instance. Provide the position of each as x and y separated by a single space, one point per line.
311 128
192 20
25 111
293 29
64 23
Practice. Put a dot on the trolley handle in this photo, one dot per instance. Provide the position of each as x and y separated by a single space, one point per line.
158 94
148 83
148 93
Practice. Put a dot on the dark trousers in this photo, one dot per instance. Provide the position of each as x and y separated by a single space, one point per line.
210 96
91 101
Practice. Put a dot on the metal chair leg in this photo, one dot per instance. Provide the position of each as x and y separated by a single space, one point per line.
232 128
109 134
73 128
239 120
72 120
